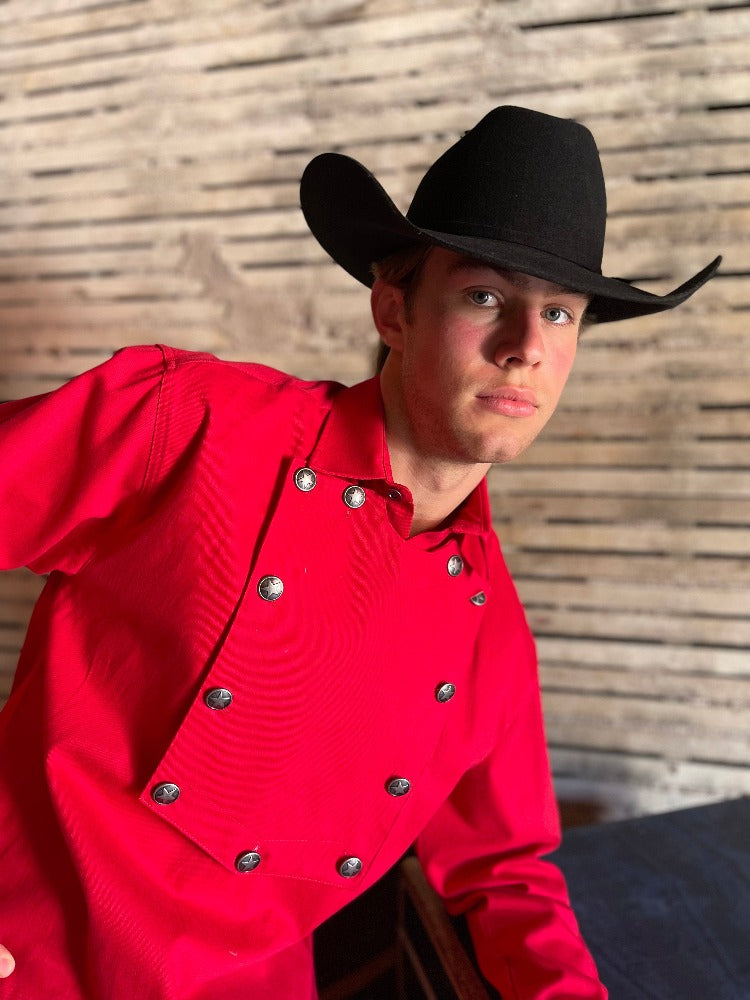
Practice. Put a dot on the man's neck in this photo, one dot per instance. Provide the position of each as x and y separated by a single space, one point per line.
437 487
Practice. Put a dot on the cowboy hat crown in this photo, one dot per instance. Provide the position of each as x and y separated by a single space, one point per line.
522 190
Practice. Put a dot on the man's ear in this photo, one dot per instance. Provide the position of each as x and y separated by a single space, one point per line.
388 313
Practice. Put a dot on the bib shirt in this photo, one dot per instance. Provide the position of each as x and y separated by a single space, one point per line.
245 692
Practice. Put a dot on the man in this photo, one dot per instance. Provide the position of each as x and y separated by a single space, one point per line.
278 643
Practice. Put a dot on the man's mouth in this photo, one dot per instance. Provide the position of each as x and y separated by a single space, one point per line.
510 401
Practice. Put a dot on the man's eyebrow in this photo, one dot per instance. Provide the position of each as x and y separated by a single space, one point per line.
516 278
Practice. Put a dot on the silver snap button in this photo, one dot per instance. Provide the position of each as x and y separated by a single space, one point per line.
479 599
305 479
354 496
248 861
455 565
398 787
270 588
218 698
166 793
445 692
350 867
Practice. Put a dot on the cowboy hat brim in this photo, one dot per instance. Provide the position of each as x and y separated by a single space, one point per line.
356 222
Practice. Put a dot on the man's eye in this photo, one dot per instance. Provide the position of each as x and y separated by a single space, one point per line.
554 314
481 297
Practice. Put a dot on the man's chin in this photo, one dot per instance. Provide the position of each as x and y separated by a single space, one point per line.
501 441
498 452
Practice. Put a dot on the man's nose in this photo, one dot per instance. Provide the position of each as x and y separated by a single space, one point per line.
520 342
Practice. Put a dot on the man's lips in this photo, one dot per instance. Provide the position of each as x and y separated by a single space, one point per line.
510 401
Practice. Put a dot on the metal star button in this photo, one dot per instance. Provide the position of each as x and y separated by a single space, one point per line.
479 599
354 496
248 861
445 692
166 793
455 565
218 698
350 867
398 787
305 479
270 588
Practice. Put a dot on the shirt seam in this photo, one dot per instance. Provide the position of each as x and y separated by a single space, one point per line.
166 354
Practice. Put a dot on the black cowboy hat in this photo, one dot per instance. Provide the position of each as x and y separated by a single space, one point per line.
521 190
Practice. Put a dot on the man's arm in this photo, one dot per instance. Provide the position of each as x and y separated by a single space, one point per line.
70 459
482 853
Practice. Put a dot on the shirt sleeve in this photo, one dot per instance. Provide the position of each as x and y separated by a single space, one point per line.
482 852
72 460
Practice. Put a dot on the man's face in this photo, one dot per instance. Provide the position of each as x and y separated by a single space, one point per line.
478 360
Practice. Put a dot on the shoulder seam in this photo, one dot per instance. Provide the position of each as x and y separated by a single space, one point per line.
168 365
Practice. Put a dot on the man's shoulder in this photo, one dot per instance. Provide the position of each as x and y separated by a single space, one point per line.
257 378
220 379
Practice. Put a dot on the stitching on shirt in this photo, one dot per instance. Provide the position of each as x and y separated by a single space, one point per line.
168 365
188 832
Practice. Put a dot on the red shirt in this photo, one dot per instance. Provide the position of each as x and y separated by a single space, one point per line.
245 691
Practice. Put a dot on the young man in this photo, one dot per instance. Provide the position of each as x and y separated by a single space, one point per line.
279 644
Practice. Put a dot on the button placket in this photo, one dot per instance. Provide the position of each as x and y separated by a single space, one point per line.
222 702
278 555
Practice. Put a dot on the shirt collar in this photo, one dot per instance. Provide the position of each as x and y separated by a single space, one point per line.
352 441
474 516
352 445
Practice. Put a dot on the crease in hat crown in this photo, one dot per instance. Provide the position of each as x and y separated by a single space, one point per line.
521 190
534 186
